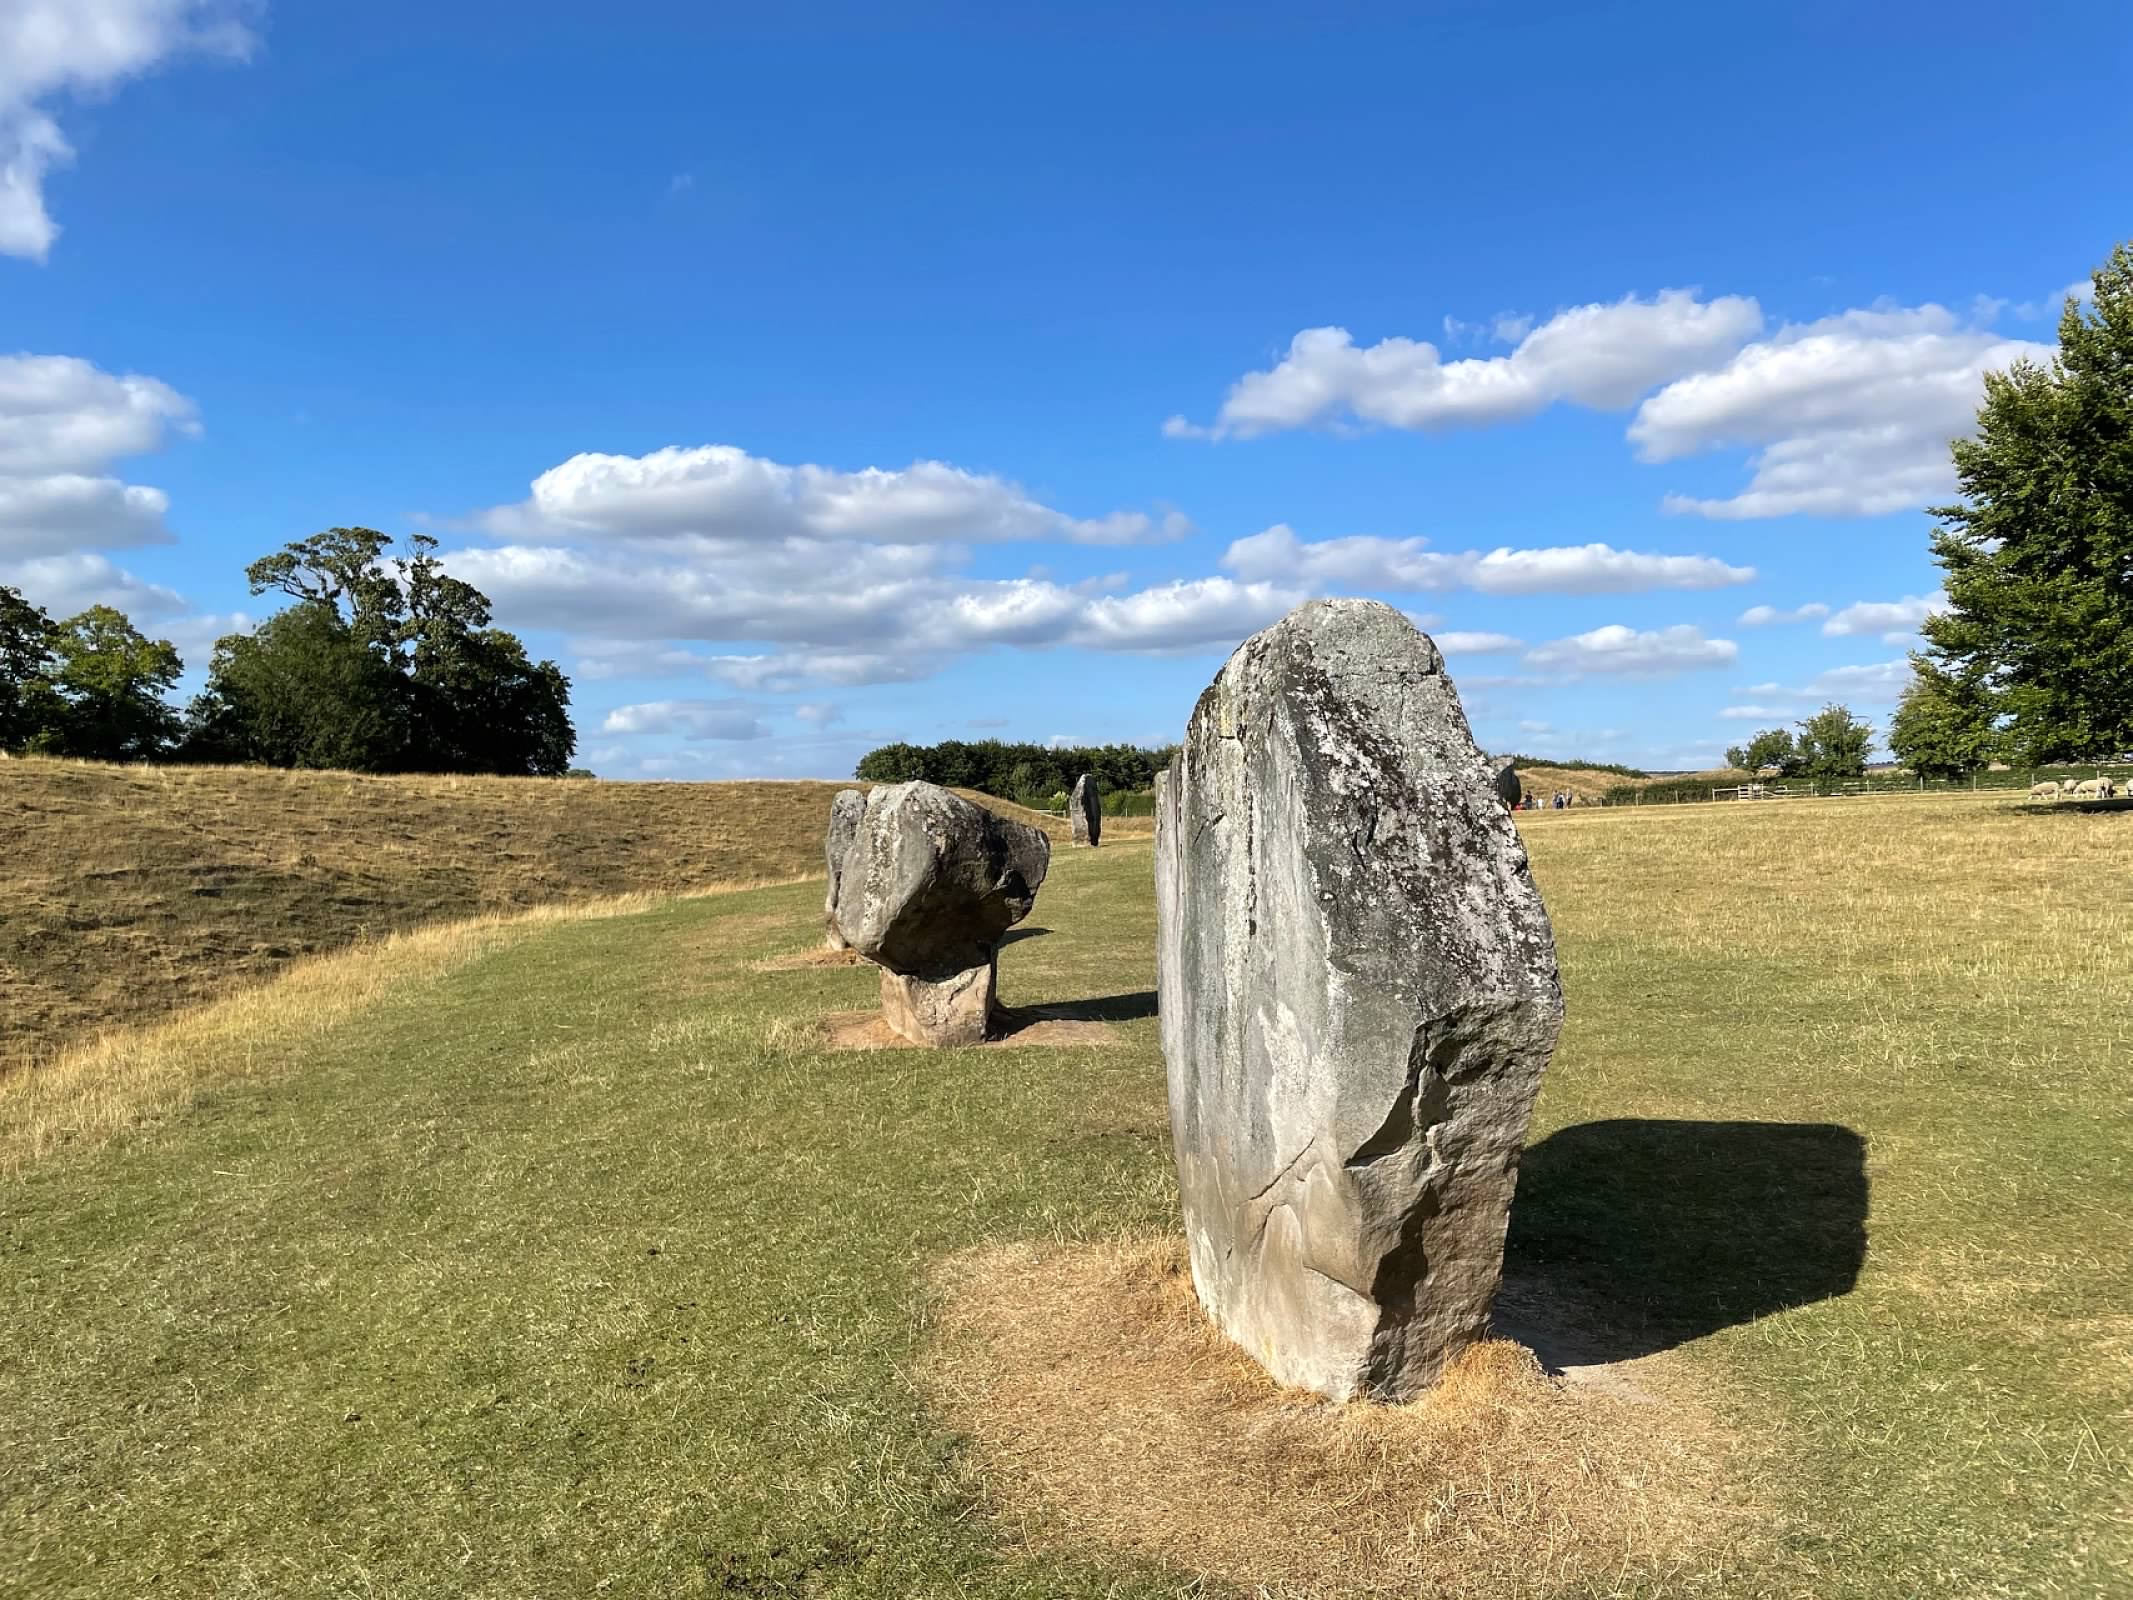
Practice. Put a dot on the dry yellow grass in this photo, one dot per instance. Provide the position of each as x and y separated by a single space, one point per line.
1541 782
1107 1411
133 892
127 1078
1889 901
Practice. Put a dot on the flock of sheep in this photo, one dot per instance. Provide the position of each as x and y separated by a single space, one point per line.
2086 789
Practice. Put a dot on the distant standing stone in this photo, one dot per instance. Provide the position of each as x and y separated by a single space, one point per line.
1086 809
845 811
929 886
1358 995
1509 787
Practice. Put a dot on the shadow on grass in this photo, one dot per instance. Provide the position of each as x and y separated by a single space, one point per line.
1109 1008
1017 935
1632 1236
2076 808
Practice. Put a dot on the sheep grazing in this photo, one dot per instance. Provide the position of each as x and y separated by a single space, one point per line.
2093 789
2047 790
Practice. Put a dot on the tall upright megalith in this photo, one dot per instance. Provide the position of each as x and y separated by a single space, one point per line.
1085 809
1358 995
846 809
1508 786
928 888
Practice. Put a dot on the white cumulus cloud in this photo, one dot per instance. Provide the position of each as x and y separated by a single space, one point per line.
1190 614
1849 416
837 613
1769 616
65 584
1459 643
62 423
1880 682
1759 713
1644 653
1367 562
1603 356
1894 620
689 719
719 491
54 48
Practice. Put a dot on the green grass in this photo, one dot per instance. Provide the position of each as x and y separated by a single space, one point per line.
577 1267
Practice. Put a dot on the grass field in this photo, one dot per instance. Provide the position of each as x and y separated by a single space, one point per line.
558 1257
132 892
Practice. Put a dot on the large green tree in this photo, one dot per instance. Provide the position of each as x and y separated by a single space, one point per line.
109 680
1833 744
26 701
386 663
1944 726
2038 555
302 690
1772 747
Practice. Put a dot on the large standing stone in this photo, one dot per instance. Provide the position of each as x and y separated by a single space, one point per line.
845 812
1358 995
1508 788
930 885
1086 809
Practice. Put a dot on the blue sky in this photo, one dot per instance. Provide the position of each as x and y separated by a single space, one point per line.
803 384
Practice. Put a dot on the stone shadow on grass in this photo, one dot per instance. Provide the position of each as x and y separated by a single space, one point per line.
1107 1008
1632 1236
2077 808
1017 935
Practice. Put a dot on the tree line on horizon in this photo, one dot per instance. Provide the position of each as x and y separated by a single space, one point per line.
386 664
381 663
1029 774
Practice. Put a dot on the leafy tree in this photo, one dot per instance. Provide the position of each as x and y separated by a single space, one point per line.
1833 744
2038 556
109 681
1031 781
1772 747
389 664
892 763
482 706
27 706
301 690
1944 725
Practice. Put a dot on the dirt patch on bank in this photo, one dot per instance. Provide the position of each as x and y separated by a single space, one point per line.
1105 1410
806 960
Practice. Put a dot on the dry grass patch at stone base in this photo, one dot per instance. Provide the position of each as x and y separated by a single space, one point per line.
866 1030
1107 1411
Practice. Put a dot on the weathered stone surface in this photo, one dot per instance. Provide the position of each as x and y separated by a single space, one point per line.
1508 786
929 886
1085 809
956 1010
845 812
1358 997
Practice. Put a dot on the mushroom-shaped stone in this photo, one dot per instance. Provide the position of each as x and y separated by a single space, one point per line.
1086 809
1508 786
845 812
1358 995
930 885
